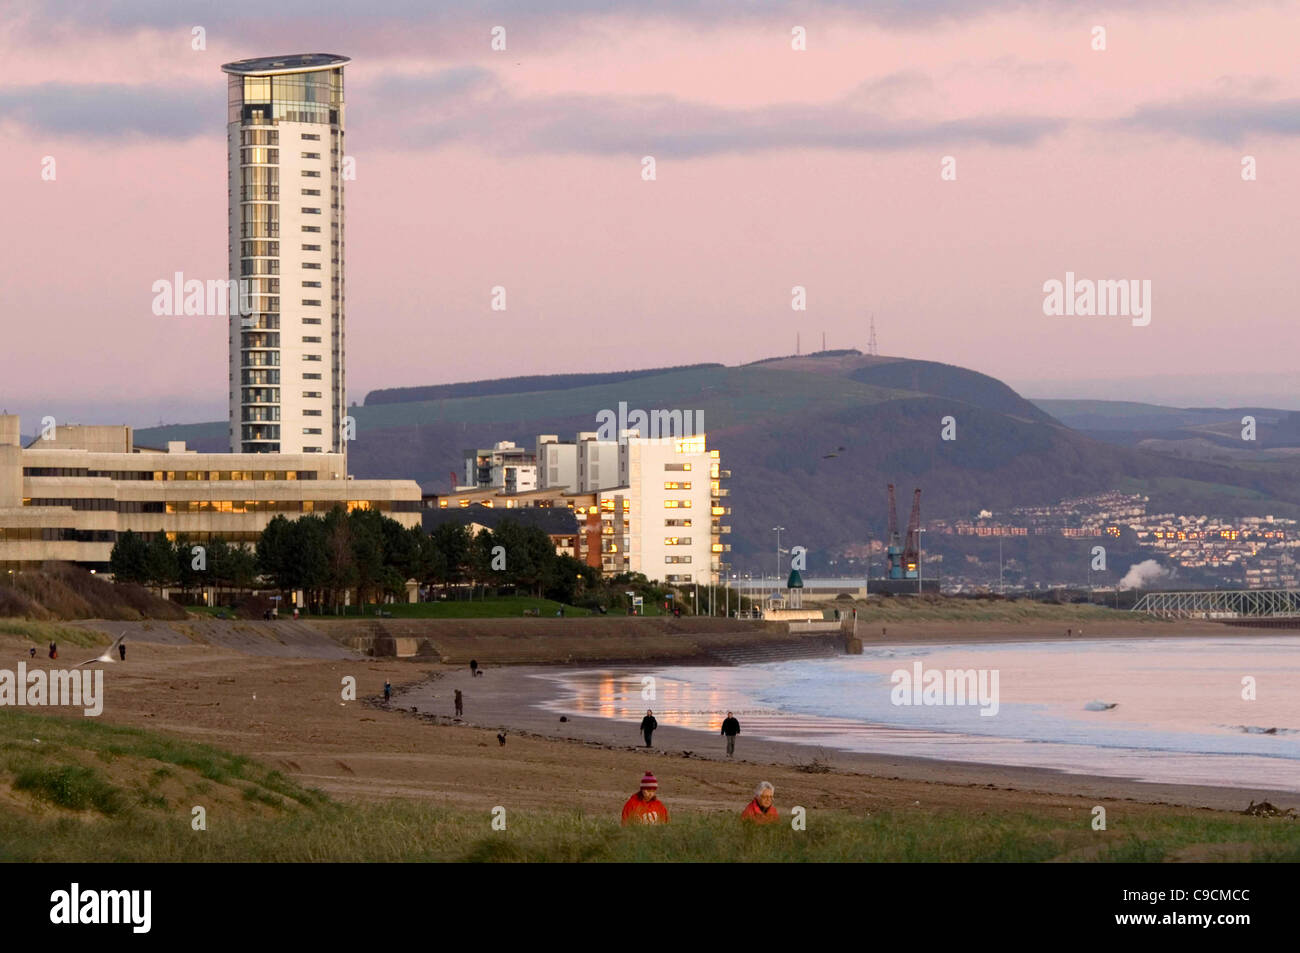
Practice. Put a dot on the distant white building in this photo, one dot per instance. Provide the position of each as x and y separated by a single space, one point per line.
503 466
653 506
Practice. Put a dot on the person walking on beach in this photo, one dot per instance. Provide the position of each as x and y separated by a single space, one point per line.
388 691
648 726
460 704
33 653
730 728
761 810
121 650
473 667
644 807
54 650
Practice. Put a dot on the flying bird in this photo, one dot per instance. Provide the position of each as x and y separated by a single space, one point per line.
106 657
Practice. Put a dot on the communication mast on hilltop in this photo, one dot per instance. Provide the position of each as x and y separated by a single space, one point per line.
871 341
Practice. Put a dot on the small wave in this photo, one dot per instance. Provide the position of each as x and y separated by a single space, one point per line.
1260 730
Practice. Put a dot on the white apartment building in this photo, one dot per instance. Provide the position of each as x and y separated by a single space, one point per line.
656 506
602 464
557 463
675 526
503 465
285 151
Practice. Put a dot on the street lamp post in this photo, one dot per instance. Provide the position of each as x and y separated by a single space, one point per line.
778 530
1002 588
920 562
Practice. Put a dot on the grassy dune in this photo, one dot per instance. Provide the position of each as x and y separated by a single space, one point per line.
78 790
43 633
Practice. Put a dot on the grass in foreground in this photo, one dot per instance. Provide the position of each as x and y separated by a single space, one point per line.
411 832
79 790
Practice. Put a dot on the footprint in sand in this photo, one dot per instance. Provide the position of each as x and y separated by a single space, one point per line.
345 767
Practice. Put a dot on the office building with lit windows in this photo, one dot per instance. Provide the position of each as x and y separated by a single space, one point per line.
69 497
285 153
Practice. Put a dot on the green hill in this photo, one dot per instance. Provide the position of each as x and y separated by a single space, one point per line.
812 441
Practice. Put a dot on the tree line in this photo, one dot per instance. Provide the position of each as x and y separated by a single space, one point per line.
359 552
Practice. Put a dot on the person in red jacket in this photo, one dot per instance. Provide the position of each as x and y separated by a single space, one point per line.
644 807
761 810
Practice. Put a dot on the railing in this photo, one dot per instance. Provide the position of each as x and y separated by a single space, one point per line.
1225 603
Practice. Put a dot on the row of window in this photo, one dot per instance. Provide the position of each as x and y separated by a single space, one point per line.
188 475
174 507
57 534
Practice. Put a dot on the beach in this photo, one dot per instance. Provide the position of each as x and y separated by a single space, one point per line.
289 712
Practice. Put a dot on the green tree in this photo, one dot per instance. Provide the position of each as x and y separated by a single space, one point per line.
480 559
160 562
451 541
187 577
367 553
129 560
307 558
275 558
340 559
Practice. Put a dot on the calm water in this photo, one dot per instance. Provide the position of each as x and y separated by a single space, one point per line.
1179 715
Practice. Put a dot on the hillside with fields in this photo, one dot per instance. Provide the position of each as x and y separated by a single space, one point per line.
812 440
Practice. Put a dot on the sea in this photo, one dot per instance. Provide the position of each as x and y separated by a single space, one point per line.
1222 712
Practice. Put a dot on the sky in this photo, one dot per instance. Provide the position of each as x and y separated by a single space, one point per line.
775 167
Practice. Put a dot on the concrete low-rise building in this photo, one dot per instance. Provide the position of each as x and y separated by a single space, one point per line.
68 494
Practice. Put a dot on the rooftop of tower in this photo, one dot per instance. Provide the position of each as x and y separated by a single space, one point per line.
291 63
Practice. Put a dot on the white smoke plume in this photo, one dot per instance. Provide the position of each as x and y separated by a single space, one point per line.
1142 575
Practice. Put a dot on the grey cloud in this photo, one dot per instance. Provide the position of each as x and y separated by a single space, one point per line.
115 112
490 117
1228 121
161 14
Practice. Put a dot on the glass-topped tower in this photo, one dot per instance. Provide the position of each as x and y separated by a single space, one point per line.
285 148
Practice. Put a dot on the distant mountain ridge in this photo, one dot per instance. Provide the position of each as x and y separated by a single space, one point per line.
513 385
812 440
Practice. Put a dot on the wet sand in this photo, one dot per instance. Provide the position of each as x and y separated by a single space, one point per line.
509 699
